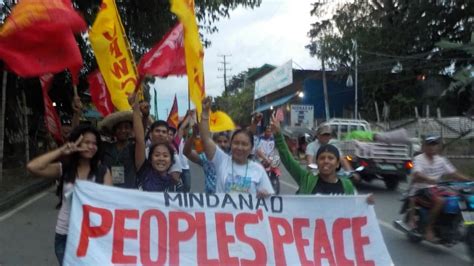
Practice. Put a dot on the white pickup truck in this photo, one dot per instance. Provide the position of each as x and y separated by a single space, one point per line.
388 160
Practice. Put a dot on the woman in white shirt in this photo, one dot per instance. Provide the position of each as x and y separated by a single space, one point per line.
80 161
235 172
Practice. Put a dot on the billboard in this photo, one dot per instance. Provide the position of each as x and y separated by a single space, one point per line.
302 115
278 78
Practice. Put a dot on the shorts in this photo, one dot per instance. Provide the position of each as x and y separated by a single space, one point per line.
424 197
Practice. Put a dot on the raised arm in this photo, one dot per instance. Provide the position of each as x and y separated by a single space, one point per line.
188 147
77 108
45 165
207 142
298 173
139 132
254 123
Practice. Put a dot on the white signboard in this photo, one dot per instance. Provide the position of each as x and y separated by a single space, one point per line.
278 78
114 226
302 115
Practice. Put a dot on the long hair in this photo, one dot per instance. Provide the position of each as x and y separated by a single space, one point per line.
168 146
70 163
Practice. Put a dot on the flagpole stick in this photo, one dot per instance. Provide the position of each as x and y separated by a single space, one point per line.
27 133
2 121
75 91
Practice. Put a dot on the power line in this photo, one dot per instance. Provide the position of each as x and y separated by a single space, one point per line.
224 69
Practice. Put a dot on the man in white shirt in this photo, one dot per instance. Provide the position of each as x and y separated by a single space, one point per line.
428 169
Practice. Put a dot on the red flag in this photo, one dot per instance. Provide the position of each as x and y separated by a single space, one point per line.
173 118
51 117
167 57
43 40
99 93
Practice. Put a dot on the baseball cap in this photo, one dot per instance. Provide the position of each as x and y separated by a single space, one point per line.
432 139
324 129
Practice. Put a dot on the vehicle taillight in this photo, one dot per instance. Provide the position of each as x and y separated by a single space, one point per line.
409 165
363 163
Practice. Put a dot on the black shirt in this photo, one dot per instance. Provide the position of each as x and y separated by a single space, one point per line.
124 158
323 187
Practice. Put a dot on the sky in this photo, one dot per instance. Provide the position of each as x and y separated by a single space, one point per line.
273 33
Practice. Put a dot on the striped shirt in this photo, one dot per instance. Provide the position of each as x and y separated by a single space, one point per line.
434 169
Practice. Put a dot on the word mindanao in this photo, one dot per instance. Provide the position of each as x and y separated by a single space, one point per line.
326 246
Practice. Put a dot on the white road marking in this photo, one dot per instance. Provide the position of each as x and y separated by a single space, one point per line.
24 205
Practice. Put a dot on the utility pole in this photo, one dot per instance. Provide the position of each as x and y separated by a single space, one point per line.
325 87
356 101
224 69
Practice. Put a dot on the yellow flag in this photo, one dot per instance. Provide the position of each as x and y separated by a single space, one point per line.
113 54
220 121
193 50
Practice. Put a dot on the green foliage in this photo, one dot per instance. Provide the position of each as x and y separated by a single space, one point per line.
387 32
238 101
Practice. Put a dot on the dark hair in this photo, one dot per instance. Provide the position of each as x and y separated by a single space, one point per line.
244 131
167 145
172 129
328 148
71 171
331 149
220 134
70 164
159 123
114 128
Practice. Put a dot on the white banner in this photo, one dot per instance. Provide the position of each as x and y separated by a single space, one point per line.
302 115
111 225
276 79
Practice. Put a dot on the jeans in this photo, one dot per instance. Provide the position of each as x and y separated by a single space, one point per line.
186 178
60 247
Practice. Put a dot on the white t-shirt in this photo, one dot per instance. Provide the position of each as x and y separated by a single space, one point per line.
432 169
233 177
182 159
266 145
176 167
62 223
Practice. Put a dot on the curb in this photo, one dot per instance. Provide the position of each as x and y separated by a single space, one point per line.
17 196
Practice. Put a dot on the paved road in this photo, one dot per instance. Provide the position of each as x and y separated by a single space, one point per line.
26 233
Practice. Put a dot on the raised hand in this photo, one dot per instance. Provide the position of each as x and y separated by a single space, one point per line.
206 104
72 147
275 124
195 130
77 104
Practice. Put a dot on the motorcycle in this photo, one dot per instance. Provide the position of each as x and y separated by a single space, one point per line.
273 172
454 224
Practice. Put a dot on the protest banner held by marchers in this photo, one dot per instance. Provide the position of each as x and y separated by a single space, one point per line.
135 227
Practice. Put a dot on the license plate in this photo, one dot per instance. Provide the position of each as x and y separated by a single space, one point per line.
387 167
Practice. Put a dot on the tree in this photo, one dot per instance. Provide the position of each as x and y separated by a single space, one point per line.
238 101
388 32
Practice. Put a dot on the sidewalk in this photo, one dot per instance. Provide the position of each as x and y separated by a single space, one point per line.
16 185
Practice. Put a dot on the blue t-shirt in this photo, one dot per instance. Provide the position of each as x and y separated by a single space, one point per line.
209 173
148 179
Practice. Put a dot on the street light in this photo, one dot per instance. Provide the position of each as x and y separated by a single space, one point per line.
301 94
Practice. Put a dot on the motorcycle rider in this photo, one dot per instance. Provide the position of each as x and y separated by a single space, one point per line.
266 146
428 168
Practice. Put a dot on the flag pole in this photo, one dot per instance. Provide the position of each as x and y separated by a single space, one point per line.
75 91
2 121
156 105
